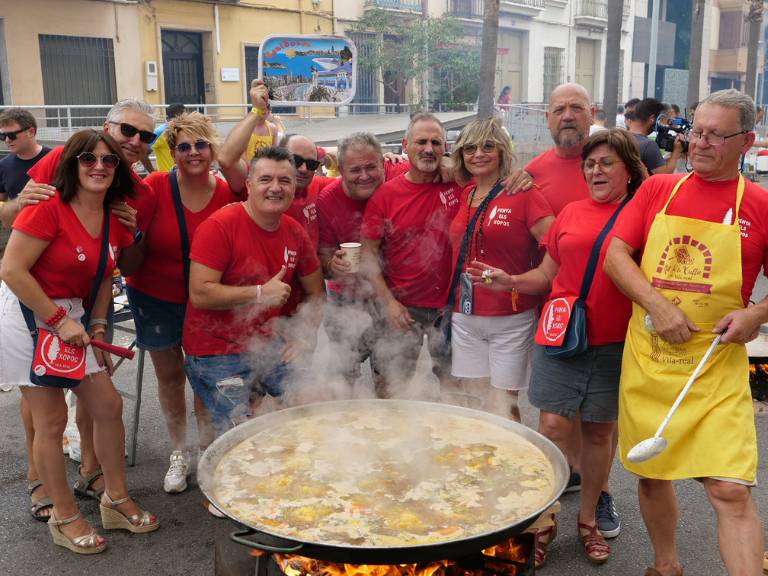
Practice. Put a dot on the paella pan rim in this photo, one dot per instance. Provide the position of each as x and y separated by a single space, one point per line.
349 553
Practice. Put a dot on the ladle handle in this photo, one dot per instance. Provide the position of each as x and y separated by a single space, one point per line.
688 385
237 536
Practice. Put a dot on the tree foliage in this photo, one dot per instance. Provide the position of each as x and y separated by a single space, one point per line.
411 46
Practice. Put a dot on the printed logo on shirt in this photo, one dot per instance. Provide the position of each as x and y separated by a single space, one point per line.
744 226
685 265
499 216
310 212
290 257
449 197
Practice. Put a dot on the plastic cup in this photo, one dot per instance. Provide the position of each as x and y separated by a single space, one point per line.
352 254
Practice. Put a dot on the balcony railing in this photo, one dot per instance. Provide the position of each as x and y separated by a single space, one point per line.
527 3
466 8
594 9
409 5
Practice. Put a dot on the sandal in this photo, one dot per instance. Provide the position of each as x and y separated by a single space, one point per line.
85 544
651 571
38 508
595 546
541 544
83 486
765 563
113 519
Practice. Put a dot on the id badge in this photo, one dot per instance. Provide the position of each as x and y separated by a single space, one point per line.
466 292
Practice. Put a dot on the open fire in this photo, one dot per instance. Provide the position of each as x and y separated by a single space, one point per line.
758 381
511 558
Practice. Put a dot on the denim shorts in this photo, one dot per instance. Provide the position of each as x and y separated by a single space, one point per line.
159 324
227 383
588 383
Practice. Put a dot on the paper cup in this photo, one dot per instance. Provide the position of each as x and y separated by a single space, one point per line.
352 254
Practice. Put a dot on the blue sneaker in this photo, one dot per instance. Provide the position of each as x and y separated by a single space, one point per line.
607 518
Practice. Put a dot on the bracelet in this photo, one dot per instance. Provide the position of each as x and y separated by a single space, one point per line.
258 293
98 330
259 112
98 321
59 324
56 317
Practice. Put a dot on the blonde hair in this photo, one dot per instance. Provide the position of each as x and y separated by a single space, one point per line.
478 132
196 125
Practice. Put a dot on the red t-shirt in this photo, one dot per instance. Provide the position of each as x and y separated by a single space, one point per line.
67 267
162 274
392 170
246 254
412 221
143 200
709 201
560 180
506 243
569 242
304 207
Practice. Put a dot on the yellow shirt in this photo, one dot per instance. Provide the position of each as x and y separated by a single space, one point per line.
162 152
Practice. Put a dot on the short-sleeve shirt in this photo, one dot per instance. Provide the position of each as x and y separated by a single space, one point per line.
162 273
163 157
560 180
13 172
143 201
506 242
569 243
411 221
703 200
67 267
304 207
649 152
232 243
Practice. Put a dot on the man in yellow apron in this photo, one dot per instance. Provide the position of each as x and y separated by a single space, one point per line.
703 238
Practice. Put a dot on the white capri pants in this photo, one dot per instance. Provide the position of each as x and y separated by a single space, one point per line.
497 346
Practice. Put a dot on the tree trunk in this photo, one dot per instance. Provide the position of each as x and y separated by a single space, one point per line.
488 59
755 19
612 55
694 56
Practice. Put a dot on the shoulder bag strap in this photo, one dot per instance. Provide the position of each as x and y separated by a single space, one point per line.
589 274
467 237
183 234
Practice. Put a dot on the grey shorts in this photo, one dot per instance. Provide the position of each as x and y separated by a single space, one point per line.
588 383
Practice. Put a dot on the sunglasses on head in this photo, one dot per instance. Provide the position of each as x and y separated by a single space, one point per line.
129 131
89 160
311 164
186 147
11 135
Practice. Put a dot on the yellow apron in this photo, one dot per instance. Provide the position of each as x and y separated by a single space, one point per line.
696 265
258 141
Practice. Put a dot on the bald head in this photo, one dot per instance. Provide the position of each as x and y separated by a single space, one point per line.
569 118
302 148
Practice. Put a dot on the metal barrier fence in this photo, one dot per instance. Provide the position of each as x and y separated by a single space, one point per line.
527 125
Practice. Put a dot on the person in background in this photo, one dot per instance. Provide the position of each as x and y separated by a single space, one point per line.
50 265
629 108
675 110
158 290
587 384
505 98
243 258
491 345
620 121
598 121
642 122
163 154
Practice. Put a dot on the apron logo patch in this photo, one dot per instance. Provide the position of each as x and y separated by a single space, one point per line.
685 265
666 353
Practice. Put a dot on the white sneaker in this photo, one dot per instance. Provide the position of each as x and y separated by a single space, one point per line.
176 477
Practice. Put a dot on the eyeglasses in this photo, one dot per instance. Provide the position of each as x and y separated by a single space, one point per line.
711 139
89 160
129 131
186 147
11 135
487 147
311 164
606 164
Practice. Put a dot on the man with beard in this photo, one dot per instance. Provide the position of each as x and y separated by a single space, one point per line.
340 207
407 257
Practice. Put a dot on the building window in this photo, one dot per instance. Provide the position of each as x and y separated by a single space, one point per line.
78 70
252 71
731 30
553 69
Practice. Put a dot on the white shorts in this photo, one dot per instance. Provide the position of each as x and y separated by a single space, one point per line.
16 344
497 346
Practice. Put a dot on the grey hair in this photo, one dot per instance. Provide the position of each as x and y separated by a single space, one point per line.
357 140
423 117
115 113
732 98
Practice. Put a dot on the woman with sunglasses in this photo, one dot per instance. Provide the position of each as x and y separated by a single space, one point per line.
586 384
158 290
492 332
50 265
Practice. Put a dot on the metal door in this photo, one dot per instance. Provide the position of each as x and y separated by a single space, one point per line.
367 89
183 67
509 62
586 54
